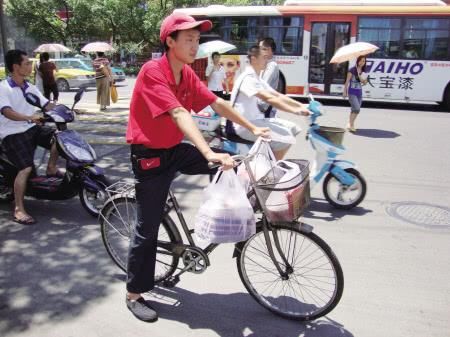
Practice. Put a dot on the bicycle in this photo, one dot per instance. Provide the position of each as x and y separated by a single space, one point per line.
284 266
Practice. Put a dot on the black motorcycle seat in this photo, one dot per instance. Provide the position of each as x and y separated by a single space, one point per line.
235 138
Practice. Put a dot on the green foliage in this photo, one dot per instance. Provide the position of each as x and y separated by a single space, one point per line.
130 24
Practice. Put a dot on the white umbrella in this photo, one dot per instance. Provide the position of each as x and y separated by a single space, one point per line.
97 46
352 51
51 48
207 48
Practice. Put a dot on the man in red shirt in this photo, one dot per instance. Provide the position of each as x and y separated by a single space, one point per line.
165 92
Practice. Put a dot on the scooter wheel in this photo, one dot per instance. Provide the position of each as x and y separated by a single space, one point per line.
343 196
92 201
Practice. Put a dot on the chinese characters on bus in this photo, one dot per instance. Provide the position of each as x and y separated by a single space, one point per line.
385 74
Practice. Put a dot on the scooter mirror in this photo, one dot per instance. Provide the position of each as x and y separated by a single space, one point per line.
78 95
33 100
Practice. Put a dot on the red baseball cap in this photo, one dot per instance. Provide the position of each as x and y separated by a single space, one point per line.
180 21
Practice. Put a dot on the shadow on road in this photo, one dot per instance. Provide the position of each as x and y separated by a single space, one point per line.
53 270
321 209
235 314
376 133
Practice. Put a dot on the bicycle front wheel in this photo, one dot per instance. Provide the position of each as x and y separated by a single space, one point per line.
117 221
314 284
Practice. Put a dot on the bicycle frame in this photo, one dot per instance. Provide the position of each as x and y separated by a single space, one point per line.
178 249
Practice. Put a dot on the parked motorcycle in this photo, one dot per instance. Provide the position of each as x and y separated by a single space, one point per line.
82 176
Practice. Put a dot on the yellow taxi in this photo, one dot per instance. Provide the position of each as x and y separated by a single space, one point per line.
2 72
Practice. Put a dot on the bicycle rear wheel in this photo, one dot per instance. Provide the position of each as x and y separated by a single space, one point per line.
314 285
117 222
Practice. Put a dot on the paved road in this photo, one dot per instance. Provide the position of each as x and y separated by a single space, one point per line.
57 280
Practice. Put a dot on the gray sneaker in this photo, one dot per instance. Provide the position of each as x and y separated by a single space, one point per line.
142 310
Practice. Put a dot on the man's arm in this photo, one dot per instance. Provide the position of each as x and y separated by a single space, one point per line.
224 109
186 124
282 102
19 117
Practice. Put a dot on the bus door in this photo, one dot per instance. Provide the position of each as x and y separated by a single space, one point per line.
326 38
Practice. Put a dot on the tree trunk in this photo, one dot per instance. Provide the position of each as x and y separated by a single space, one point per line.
3 29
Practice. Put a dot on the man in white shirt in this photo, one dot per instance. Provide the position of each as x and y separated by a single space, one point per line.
271 74
215 76
20 129
248 88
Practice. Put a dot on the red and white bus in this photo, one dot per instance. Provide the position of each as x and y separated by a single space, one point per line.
412 64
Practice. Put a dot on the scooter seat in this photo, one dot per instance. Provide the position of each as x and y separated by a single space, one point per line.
235 138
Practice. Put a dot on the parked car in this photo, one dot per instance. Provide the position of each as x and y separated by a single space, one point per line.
70 76
67 77
2 71
86 64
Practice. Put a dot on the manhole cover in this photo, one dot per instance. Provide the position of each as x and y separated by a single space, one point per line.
421 214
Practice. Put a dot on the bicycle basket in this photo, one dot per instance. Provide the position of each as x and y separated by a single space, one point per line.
284 198
332 134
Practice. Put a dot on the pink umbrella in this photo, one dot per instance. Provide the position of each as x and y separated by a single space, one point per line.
51 48
97 46
352 51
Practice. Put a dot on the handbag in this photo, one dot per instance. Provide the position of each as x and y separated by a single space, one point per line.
114 95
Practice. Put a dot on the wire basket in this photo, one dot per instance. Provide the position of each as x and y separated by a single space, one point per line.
332 134
284 200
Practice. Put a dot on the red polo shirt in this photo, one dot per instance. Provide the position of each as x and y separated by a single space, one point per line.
155 93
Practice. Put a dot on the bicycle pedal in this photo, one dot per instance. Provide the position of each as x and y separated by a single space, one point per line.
170 282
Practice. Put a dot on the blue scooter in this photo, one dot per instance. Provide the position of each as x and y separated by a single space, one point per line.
343 186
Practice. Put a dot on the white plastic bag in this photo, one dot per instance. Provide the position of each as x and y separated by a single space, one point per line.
260 164
281 205
226 214
263 160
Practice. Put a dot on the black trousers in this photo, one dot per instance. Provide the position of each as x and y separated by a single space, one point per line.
52 88
154 170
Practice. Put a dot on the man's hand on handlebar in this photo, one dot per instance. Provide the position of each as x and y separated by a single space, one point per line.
223 158
37 118
304 111
261 132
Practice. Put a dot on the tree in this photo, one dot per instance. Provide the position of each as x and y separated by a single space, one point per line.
40 18
118 21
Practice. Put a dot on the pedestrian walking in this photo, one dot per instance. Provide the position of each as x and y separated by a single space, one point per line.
37 74
104 79
356 77
48 71
215 76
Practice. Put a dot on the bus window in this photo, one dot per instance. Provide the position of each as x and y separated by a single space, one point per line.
426 39
288 30
245 31
240 31
384 33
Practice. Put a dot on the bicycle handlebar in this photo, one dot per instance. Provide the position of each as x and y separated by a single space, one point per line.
238 159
